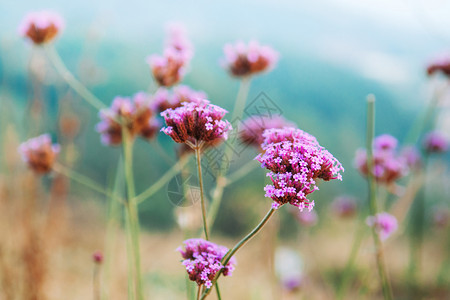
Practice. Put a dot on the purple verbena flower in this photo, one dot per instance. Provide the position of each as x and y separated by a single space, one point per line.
244 60
39 153
41 26
165 99
385 142
202 260
411 156
253 128
295 163
344 206
435 142
384 223
195 122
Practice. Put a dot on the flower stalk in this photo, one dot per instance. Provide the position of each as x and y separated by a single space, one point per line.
197 148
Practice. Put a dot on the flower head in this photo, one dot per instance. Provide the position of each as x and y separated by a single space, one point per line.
134 112
384 223
344 206
435 142
177 39
254 127
41 26
196 122
202 260
244 60
385 142
39 153
440 64
164 99
411 156
97 257
295 163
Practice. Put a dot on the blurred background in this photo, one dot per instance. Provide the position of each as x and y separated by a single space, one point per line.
333 53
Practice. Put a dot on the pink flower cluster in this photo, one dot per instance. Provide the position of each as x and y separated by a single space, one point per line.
41 26
165 99
253 128
169 68
388 165
135 112
384 223
440 64
244 60
195 122
202 260
295 161
39 153
435 142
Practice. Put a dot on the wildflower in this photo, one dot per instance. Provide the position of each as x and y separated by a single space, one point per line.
177 39
196 122
244 60
411 156
202 260
441 64
388 165
384 223
344 206
134 112
435 142
306 218
41 26
295 164
163 99
97 257
253 128
39 153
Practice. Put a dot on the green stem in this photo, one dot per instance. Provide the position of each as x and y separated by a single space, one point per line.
74 83
241 243
372 197
200 180
244 170
131 208
221 177
130 259
162 181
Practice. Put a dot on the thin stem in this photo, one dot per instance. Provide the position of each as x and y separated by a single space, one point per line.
219 297
131 208
244 170
241 243
162 181
199 292
239 106
202 196
96 283
372 197
74 83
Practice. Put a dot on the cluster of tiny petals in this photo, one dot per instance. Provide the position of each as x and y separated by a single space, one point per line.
435 142
294 166
39 153
202 260
41 26
254 127
135 112
165 99
244 60
440 64
384 223
388 165
195 122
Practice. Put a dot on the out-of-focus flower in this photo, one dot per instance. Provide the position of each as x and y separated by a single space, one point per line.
440 64
164 99
177 39
253 128
295 164
195 122
244 60
69 125
384 223
388 165
188 218
412 156
39 153
441 217
344 206
202 260
134 112
435 142
305 218
97 257
289 269
41 26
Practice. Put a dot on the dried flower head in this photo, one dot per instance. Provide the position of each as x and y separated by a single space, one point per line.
164 99
195 122
253 128
244 60
134 112
440 64
435 142
295 164
39 153
41 26
344 206
202 260
384 223
388 165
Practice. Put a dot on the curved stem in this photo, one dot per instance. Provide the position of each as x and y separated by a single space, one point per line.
372 197
241 243
74 83
202 196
